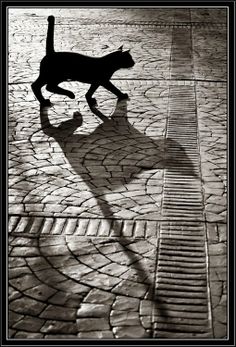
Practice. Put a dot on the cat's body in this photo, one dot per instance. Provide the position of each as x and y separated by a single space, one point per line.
57 67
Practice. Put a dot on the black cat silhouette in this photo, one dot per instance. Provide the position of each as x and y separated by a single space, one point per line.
57 67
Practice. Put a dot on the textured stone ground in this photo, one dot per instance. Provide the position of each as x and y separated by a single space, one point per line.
118 219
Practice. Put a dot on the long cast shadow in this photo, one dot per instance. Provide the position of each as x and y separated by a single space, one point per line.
111 149
115 146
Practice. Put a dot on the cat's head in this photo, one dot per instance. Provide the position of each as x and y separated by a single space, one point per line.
125 58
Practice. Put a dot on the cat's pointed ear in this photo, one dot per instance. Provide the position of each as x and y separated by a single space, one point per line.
127 51
120 48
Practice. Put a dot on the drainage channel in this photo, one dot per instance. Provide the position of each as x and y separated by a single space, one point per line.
181 283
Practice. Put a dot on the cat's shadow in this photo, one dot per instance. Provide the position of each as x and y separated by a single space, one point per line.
112 156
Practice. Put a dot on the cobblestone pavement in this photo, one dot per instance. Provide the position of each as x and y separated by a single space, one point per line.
118 219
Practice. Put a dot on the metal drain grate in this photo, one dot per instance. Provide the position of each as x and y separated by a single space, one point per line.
182 185
182 282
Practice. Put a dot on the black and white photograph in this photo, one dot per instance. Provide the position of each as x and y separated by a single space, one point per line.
117 144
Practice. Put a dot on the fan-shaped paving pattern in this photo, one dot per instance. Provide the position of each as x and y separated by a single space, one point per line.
90 277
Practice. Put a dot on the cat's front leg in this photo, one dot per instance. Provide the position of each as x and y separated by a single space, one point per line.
109 86
91 101
123 96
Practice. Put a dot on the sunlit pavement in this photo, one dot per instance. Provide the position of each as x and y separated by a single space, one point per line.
117 220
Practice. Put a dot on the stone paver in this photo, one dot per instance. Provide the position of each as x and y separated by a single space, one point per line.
118 218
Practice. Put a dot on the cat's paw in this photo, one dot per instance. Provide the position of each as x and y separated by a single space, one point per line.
46 103
123 96
92 102
71 95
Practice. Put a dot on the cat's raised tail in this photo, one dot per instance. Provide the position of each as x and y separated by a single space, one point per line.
50 36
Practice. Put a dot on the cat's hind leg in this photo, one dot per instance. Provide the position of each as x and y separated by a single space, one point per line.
54 88
36 87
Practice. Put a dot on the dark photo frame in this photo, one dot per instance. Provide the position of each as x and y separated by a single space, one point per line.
118 215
